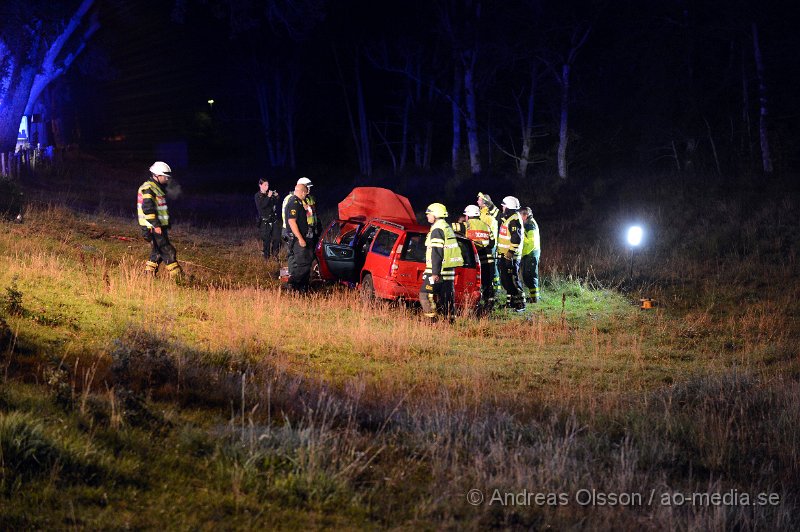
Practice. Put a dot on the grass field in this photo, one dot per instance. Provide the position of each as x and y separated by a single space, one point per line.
222 402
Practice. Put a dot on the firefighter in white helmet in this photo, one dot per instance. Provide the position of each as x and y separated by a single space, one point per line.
482 236
442 257
153 214
509 253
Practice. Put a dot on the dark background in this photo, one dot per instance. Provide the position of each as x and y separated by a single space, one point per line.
652 76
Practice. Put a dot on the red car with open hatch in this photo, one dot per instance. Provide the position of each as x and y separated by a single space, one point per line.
377 246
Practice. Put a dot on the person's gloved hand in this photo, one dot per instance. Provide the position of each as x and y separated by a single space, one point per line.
509 255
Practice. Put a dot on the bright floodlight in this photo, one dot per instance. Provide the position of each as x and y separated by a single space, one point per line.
210 102
635 235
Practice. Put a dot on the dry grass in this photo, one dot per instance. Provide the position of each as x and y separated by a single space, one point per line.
366 414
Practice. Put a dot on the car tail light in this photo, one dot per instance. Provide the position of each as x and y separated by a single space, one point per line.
394 267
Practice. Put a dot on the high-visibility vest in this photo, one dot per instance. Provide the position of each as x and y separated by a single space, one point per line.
151 191
309 204
479 232
283 208
311 211
531 241
504 243
452 252
490 218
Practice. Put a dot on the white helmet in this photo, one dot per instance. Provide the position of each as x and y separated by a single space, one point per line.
510 202
305 181
160 168
473 211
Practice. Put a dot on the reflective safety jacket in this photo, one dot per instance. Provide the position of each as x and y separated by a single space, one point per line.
510 236
489 217
481 234
311 214
151 205
442 253
531 241
310 206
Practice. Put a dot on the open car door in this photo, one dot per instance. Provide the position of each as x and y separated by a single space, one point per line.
336 252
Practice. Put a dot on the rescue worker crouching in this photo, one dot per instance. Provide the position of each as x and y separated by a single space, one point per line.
442 257
153 215
298 238
531 253
482 236
509 253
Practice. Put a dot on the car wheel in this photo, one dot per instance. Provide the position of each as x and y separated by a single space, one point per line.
367 288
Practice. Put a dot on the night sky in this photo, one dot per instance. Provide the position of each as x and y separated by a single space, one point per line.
651 73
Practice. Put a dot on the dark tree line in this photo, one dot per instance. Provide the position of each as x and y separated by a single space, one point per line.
533 88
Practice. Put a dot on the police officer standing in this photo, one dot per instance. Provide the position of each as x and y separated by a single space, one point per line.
481 235
312 209
310 204
298 236
153 215
509 253
531 252
267 206
442 256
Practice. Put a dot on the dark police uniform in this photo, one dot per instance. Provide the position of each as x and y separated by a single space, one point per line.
267 206
300 257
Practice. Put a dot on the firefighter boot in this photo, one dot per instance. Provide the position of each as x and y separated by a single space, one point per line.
150 268
175 271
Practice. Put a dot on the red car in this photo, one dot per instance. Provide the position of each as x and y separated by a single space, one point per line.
377 245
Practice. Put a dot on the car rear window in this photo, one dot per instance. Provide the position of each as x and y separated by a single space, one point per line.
414 249
364 240
384 243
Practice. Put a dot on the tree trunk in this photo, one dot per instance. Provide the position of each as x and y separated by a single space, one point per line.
766 158
426 159
472 113
51 68
527 129
14 102
366 158
29 68
563 131
404 139
455 149
266 121
350 117
747 138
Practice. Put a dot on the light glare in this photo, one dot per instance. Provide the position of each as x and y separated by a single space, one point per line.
635 235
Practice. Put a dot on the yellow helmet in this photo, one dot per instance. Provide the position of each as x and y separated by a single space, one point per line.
437 209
